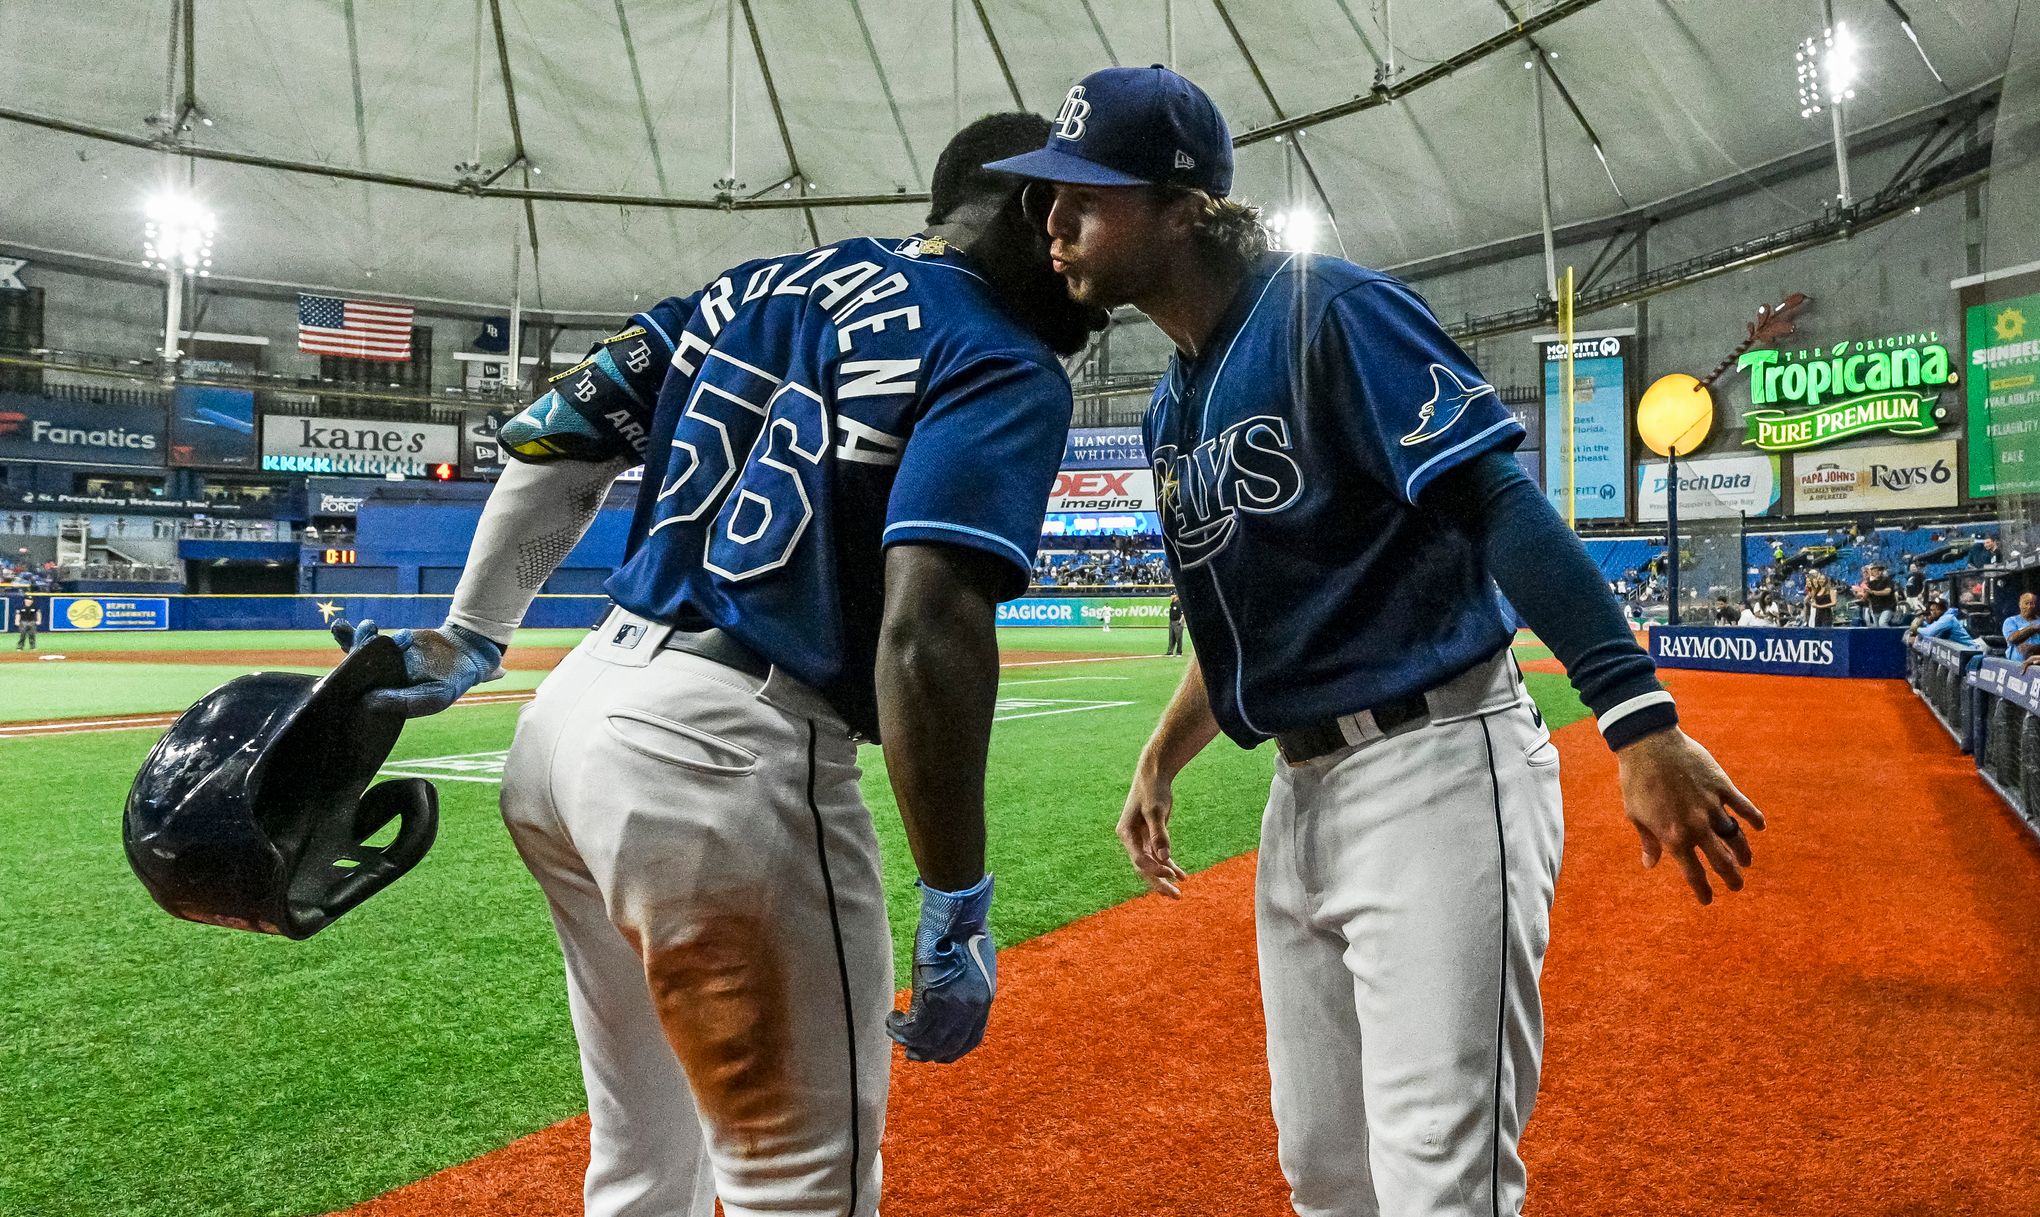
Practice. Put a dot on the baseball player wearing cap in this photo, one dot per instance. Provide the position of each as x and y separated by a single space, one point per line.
847 455
1338 503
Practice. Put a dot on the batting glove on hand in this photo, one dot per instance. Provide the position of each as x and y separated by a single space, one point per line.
955 976
440 665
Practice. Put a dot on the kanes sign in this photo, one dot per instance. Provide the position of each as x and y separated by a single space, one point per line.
358 446
1103 490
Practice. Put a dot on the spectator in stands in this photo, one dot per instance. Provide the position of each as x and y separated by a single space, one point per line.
1941 621
1724 612
1750 616
1916 586
1880 596
1820 601
1984 552
2022 631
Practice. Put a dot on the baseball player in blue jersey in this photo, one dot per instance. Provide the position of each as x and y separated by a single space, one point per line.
847 454
1338 504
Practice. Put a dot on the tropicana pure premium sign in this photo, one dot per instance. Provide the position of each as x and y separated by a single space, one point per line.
1856 387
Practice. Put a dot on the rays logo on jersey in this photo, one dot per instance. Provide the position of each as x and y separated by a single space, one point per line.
1069 121
1246 467
1450 396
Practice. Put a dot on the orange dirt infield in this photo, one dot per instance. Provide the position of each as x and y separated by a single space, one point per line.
1857 1033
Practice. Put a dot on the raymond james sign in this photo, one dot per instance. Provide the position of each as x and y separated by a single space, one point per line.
1852 652
1856 387
353 445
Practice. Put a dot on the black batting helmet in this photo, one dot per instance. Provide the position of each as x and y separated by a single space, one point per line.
251 813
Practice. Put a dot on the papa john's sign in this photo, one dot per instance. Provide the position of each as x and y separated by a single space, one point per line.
1856 387
1103 490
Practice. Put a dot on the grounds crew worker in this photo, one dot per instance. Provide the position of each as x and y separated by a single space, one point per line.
1338 502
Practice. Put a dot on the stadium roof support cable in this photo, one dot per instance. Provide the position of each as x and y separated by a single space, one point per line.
778 117
885 87
998 53
1544 59
1382 95
1385 92
1260 79
644 105
519 156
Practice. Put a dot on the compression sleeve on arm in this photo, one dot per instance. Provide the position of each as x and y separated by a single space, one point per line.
534 516
1546 574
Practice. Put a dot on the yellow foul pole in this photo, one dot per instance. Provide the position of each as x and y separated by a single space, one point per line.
1565 387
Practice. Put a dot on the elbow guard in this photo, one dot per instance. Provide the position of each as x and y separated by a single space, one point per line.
598 409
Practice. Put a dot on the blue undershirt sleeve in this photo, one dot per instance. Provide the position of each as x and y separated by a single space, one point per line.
1546 574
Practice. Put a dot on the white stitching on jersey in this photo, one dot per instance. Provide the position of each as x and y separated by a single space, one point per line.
1469 441
1211 390
948 527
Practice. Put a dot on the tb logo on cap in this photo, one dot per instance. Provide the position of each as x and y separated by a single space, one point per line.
1069 121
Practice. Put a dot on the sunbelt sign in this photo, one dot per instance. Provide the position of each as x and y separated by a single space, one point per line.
1856 387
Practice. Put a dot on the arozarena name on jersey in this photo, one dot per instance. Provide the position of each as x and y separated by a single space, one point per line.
1246 467
1749 650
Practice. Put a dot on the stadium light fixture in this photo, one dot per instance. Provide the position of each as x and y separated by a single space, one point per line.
1295 230
1827 69
178 235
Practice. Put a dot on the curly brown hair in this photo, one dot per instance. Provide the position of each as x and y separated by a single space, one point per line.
1228 231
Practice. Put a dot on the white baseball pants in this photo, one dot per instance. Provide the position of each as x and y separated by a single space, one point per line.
1402 907
714 879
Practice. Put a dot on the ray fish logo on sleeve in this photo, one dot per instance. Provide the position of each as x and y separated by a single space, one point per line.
1069 121
1450 396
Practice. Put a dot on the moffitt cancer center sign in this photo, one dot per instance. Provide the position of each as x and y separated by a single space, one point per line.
1856 387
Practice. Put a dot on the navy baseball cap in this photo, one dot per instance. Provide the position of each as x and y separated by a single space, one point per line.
1133 127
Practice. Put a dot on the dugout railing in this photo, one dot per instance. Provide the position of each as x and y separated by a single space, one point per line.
1991 705
1938 671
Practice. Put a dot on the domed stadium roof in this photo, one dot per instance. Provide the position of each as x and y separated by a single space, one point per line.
632 148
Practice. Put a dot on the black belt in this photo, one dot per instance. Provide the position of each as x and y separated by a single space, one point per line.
719 646
1324 738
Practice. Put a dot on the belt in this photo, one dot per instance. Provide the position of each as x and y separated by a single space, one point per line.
717 645
1318 739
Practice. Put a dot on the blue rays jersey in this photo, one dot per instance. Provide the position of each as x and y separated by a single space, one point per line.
820 407
1289 456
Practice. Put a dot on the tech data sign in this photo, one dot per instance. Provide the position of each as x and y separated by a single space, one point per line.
1713 488
1103 490
357 446
1886 477
1857 387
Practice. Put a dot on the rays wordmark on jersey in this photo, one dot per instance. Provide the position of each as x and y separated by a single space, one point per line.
1245 468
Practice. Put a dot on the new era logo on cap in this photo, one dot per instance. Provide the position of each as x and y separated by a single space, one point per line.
1133 127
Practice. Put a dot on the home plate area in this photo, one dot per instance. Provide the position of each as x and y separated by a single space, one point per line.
488 766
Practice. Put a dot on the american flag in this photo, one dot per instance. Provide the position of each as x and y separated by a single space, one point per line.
360 329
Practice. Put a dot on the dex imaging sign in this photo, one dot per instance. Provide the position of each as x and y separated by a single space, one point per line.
356 446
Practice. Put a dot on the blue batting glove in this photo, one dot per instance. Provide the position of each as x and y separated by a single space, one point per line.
440 665
955 976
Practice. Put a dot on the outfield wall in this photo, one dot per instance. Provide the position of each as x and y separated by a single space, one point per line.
1133 612
119 614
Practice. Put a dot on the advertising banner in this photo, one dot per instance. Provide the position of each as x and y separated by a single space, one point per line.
212 428
1103 490
356 446
1711 488
1097 524
2004 397
1885 477
1600 432
1104 448
1859 386
1532 462
1139 611
479 455
107 613
1878 653
37 428
335 496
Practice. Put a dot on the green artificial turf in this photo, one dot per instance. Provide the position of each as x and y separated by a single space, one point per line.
153 1067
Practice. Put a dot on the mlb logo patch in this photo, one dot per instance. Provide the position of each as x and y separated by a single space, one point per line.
627 634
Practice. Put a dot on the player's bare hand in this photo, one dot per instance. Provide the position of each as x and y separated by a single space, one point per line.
1684 806
1144 831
